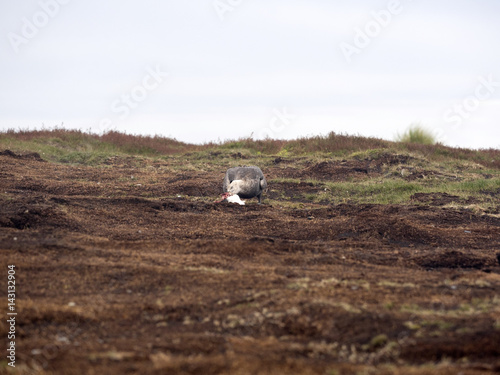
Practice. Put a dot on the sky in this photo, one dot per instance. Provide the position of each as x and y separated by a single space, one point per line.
212 70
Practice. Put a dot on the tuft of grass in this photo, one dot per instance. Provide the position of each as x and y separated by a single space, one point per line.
438 324
417 134
392 284
378 341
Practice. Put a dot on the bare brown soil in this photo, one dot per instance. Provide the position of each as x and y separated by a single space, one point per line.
131 268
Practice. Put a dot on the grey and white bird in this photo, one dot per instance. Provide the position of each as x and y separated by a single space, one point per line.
246 182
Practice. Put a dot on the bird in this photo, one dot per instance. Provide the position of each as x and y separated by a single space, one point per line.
246 182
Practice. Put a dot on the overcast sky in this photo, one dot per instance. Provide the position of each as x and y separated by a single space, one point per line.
205 70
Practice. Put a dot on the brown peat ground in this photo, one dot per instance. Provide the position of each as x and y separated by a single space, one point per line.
372 263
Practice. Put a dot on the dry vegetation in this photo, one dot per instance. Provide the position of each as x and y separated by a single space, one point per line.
367 256
56 144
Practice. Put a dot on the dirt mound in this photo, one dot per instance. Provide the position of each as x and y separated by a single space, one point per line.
329 169
344 169
295 191
481 344
435 199
30 156
30 215
202 186
453 259
392 159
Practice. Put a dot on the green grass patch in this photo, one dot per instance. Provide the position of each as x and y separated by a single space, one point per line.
478 185
372 154
377 192
391 191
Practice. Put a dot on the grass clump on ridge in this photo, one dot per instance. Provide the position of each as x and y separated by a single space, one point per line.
417 134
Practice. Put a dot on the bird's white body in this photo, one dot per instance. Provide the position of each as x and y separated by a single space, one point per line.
235 199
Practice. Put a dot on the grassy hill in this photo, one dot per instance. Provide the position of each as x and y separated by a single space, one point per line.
74 146
333 168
